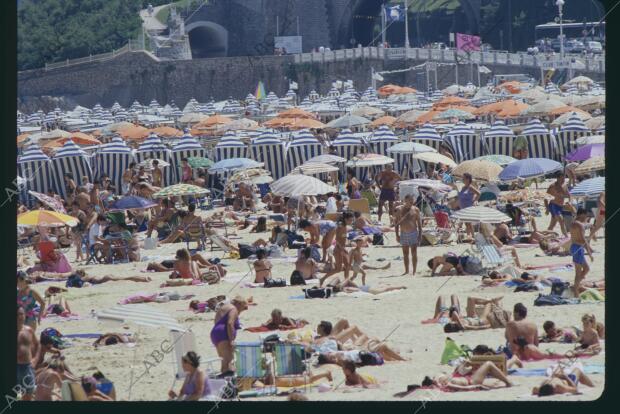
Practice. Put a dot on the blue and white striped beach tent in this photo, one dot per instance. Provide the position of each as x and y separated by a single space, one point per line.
498 140
113 159
154 148
382 139
428 135
36 168
301 148
186 147
348 145
230 146
540 142
269 149
73 160
570 131
464 142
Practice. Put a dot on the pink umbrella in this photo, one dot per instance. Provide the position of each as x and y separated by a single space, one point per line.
51 202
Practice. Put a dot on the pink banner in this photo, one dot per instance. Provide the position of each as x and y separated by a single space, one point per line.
467 42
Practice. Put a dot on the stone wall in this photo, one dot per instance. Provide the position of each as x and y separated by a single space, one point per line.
138 76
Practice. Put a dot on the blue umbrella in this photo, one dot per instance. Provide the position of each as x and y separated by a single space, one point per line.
234 164
132 202
593 186
529 168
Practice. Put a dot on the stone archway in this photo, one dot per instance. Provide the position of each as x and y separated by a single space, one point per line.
207 40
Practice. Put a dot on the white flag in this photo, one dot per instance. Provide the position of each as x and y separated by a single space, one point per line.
377 76
338 84
293 85
484 69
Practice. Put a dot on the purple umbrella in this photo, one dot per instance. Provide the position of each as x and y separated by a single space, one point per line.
586 152
132 202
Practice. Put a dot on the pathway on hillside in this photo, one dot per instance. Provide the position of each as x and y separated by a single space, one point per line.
151 23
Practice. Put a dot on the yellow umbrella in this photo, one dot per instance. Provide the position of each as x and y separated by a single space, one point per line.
435 158
45 218
479 170
593 164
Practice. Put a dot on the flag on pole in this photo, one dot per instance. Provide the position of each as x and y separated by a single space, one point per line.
377 76
483 69
293 85
467 42
260 91
395 14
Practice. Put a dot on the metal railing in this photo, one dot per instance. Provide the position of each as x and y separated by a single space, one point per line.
591 63
131 46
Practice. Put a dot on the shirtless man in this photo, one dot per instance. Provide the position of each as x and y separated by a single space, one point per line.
387 180
95 198
559 192
188 223
341 255
408 225
162 218
127 176
520 327
27 346
318 229
579 246
157 174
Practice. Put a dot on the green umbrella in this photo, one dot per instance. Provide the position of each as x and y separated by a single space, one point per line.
199 162
179 190
454 113
497 159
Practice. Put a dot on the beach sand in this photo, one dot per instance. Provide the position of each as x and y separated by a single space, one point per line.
397 314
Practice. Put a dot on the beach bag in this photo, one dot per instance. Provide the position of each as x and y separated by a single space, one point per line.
317 293
549 300
370 358
297 278
558 288
473 266
377 240
74 281
246 250
270 283
451 351
295 241
211 277
498 317
527 287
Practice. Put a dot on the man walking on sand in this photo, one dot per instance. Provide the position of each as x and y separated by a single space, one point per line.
559 192
387 180
408 225
579 246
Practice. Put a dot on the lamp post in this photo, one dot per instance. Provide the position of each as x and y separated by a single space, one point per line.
407 27
560 4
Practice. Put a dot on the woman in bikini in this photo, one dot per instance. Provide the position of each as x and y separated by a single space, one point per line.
555 246
28 299
262 266
186 271
471 380
193 387
318 229
341 256
224 331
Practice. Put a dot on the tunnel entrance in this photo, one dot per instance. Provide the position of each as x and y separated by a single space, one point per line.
207 40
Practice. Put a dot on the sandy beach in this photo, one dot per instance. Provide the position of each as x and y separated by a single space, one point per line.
395 316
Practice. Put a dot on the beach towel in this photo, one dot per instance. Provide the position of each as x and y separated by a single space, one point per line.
265 329
542 372
555 267
592 295
83 335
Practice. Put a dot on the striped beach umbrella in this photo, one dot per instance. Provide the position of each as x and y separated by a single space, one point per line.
481 214
591 187
529 168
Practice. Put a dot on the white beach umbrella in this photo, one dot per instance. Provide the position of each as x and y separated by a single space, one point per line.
481 214
311 168
327 159
435 158
300 185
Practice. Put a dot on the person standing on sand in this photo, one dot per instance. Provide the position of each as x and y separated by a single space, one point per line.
126 180
559 192
224 332
156 174
27 346
341 255
387 180
408 225
579 244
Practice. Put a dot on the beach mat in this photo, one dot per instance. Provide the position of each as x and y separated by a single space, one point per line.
542 372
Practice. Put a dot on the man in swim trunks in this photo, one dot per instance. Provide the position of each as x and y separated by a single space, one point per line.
559 192
579 246
27 346
408 224
387 180
520 327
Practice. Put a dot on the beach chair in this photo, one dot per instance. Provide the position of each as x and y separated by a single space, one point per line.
119 249
251 364
73 391
498 360
360 205
489 252
197 234
182 343
290 361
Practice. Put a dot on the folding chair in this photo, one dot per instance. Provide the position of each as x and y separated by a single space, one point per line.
118 247
488 251
360 205
196 234
290 361
498 360
251 364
